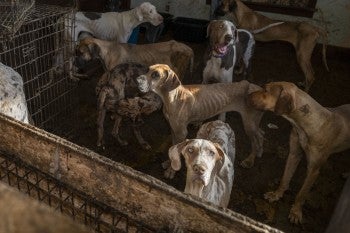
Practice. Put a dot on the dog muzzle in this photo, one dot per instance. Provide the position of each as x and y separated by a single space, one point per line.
142 83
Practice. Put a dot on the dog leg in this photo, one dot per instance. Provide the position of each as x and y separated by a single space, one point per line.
315 160
294 157
256 135
139 137
115 130
100 130
304 52
179 135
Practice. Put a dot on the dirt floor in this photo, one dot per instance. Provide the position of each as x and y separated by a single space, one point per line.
272 62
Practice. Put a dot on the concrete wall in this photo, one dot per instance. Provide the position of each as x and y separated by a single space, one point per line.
334 15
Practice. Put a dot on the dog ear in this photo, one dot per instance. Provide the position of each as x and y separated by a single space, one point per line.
235 34
138 13
220 151
174 154
209 27
171 80
94 50
285 103
233 5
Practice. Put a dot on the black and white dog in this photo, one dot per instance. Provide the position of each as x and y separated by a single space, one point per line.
230 49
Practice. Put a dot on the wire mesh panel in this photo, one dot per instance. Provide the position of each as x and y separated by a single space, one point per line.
61 197
32 52
12 14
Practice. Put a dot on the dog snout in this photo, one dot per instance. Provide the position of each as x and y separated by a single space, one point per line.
198 169
141 79
228 38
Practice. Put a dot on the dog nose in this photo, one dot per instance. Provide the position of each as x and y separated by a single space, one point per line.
140 79
228 38
198 169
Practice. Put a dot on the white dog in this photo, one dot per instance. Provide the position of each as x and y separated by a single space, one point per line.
12 99
209 160
113 26
116 26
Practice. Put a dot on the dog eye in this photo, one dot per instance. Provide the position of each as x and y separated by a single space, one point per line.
211 153
190 150
155 75
150 11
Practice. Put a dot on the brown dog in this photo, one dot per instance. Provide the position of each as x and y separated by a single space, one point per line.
184 104
175 54
302 35
318 131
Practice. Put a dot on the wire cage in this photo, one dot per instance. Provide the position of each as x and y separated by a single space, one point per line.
32 52
66 199
13 15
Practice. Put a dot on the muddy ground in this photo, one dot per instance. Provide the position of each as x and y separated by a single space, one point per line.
272 62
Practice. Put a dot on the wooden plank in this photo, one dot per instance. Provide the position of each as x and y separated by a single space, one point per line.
138 195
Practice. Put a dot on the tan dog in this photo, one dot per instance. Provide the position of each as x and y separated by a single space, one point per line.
209 160
302 35
177 55
183 104
317 131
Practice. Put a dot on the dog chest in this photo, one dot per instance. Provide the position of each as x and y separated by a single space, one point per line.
215 72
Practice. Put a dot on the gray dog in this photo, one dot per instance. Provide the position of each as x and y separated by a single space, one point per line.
183 104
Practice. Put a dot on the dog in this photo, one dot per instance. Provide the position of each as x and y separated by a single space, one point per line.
318 131
302 35
12 98
209 160
184 104
228 46
115 26
177 55
119 94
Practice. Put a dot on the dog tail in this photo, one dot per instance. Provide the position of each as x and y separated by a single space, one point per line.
324 36
266 27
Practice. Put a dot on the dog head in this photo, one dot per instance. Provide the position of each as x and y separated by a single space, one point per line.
200 155
278 97
160 78
87 50
224 7
222 34
146 12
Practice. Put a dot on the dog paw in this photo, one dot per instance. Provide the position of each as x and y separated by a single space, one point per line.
295 215
122 142
247 163
169 173
272 196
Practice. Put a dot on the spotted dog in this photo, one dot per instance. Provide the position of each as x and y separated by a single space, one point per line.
118 93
